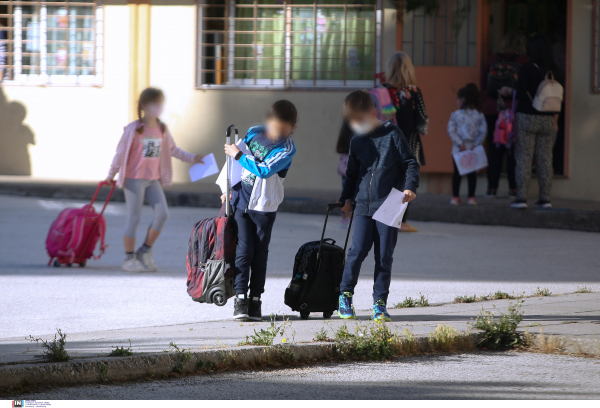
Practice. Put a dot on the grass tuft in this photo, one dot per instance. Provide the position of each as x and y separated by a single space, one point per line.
181 359
500 333
583 289
121 351
54 350
321 335
264 337
410 302
541 292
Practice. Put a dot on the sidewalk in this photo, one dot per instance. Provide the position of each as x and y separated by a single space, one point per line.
573 316
578 215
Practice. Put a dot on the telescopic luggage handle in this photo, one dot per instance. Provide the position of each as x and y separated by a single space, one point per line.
229 164
329 208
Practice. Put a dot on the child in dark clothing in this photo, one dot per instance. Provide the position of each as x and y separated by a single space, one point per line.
255 200
380 159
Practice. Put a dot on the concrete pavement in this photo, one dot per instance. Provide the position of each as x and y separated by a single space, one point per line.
461 376
442 261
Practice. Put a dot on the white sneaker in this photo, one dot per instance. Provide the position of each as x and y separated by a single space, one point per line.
133 265
145 258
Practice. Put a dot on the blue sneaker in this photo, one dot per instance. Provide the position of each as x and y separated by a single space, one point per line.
346 308
380 312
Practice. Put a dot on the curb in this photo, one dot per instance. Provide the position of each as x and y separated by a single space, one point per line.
568 219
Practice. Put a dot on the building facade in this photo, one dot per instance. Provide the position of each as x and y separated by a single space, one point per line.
73 71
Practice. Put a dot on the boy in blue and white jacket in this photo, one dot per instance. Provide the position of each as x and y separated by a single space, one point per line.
255 200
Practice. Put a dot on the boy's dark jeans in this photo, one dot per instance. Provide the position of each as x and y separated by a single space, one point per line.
368 232
252 251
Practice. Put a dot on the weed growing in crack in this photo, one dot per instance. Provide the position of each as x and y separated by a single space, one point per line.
104 372
265 337
54 350
410 302
541 292
321 335
182 356
121 351
583 289
500 333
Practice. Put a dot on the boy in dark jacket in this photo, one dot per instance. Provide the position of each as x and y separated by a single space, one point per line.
380 159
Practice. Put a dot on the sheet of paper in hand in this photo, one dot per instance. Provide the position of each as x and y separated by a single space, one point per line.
392 210
470 160
236 169
208 168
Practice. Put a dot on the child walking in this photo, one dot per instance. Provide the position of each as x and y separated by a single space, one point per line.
255 200
380 159
143 162
467 129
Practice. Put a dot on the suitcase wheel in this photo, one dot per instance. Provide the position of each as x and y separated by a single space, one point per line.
219 298
82 264
304 315
56 264
69 265
327 315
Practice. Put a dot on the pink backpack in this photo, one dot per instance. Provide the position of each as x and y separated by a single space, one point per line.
504 132
74 234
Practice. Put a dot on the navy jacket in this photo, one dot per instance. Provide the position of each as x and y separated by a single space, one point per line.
379 161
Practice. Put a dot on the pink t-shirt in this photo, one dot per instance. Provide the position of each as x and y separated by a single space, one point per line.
144 155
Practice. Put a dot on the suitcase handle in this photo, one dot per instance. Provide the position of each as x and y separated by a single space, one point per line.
229 164
329 208
101 184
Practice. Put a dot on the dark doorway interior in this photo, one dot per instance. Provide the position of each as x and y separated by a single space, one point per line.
544 17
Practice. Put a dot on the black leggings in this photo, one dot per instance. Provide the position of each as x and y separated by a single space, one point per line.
496 156
471 178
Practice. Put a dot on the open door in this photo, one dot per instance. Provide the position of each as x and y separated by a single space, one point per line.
445 45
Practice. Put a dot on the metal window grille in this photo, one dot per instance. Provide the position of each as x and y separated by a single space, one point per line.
596 46
448 37
52 42
288 43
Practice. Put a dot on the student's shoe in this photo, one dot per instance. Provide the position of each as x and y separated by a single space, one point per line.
542 204
471 201
512 193
455 201
146 259
240 308
380 312
254 310
133 265
345 307
406 227
519 204
490 193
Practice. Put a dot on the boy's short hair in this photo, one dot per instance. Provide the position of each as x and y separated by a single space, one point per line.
284 111
357 102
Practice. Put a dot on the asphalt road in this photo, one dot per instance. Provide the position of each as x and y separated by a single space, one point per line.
441 261
464 376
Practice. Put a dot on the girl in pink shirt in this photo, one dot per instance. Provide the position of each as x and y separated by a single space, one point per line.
143 163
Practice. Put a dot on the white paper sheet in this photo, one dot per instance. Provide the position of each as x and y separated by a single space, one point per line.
470 160
208 168
236 169
392 210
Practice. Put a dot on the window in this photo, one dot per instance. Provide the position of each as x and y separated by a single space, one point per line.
288 43
596 46
52 42
446 36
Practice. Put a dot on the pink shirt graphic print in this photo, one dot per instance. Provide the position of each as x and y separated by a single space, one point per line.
144 156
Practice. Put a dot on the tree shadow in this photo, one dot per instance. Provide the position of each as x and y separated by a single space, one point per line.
15 138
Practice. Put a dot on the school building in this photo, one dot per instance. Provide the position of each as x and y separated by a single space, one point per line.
73 70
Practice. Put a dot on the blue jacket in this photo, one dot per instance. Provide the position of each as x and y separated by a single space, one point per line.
278 160
267 192
378 162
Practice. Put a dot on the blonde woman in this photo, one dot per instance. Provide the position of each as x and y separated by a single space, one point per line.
410 108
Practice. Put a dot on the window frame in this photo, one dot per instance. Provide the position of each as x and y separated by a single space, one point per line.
286 83
43 78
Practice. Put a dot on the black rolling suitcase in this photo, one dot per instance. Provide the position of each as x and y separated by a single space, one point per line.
318 268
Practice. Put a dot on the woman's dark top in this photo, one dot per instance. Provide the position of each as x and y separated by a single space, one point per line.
490 105
530 77
411 117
